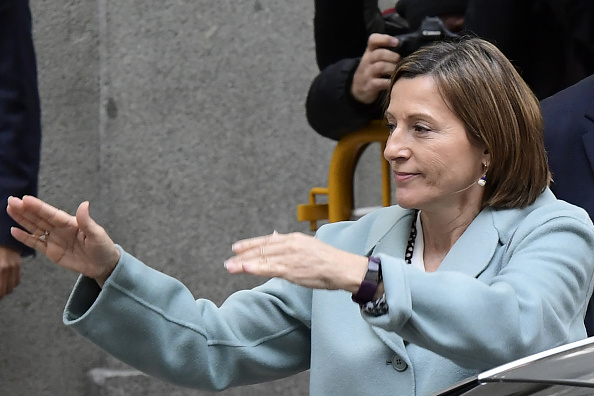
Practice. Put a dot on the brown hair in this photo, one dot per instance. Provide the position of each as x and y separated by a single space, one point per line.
498 110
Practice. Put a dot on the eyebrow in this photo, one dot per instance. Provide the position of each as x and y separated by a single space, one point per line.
413 115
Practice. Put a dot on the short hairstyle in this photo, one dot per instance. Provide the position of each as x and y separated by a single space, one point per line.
484 90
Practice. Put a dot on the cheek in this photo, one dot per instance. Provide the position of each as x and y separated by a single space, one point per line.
436 171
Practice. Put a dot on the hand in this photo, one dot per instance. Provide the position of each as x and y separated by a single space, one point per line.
10 270
76 243
300 259
375 69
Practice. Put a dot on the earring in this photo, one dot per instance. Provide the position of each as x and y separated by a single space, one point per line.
483 180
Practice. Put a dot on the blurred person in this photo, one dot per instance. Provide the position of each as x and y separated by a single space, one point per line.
569 140
20 128
550 42
352 40
407 298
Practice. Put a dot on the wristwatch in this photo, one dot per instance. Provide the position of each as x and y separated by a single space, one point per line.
369 285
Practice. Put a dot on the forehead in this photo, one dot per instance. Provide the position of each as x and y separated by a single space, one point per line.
419 94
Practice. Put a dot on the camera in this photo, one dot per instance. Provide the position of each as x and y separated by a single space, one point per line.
431 29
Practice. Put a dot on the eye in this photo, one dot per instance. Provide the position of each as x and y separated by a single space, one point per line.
391 127
421 129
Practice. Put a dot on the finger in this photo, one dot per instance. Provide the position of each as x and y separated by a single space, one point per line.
377 40
26 213
30 240
34 227
261 265
86 223
384 55
270 249
379 84
47 214
250 243
381 70
252 251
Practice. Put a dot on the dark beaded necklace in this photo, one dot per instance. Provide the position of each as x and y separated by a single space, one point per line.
410 246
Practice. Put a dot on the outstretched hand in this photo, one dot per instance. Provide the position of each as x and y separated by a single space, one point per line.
73 242
300 259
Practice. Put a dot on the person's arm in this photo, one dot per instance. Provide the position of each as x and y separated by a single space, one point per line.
20 129
152 322
349 94
330 109
339 30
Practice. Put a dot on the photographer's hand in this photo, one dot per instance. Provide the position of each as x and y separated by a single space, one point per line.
377 64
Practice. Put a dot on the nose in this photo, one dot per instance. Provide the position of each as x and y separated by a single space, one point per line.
396 146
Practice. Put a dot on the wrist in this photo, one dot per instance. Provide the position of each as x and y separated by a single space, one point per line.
356 274
101 279
368 287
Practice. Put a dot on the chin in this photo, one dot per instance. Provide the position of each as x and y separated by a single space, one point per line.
406 203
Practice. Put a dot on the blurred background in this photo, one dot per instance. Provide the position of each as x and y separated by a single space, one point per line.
183 123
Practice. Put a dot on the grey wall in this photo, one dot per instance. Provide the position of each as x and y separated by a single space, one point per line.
182 121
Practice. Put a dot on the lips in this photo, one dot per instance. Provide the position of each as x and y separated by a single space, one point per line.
403 176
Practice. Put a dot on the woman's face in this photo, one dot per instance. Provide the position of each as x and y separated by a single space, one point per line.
435 165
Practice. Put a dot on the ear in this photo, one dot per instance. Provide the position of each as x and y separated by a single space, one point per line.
486 159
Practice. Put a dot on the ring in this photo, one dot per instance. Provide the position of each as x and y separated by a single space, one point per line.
43 237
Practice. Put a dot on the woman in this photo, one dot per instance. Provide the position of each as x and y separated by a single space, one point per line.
478 265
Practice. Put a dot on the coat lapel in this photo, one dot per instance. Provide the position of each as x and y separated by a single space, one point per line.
481 233
392 226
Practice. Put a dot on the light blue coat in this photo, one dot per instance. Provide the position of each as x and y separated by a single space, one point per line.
516 282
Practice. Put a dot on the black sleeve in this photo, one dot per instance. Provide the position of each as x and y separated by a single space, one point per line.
339 30
20 129
330 109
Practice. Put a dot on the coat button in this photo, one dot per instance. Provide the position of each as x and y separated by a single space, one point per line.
398 363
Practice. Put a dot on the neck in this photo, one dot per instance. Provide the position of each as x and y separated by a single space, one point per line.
442 229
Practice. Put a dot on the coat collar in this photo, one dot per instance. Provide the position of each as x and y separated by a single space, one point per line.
390 235
393 226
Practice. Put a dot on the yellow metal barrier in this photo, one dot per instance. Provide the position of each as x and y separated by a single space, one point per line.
340 177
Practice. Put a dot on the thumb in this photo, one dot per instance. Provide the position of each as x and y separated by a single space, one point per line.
85 222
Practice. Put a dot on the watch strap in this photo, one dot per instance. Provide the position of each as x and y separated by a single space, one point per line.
370 282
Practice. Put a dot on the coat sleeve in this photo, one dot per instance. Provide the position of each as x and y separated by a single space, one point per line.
535 298
330 109
20 125
153 323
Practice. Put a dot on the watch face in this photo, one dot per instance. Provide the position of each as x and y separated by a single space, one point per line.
373 269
